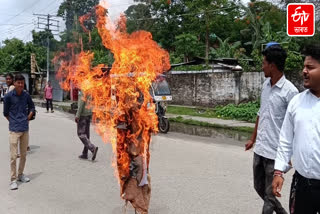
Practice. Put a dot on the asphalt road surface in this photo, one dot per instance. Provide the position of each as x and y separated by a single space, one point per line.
190 174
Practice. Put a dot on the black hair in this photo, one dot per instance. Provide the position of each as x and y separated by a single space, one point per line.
277 55
10 75
312 50
18 77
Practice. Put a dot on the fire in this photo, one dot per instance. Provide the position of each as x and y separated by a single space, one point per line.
123 109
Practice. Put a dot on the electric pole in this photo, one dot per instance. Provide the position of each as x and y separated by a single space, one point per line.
51 25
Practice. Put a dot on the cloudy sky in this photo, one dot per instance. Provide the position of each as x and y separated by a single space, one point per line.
17 19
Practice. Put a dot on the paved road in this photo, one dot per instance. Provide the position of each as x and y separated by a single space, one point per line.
190 174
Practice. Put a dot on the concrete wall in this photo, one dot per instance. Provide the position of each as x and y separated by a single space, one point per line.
214 88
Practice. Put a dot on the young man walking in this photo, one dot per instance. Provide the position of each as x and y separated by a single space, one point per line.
300 141
276 94
83 119
17 104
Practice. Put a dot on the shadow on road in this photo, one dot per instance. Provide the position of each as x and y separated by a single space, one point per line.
33 176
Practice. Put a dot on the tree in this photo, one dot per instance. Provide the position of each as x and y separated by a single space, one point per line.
15 56
139 18
188 45
40 39
225 49
259 15
200 18
205 11
164 19
71 10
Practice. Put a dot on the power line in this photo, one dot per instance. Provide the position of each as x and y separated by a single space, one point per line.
14 30
32 5
48 26
55 9
188 14
10 15
26 37
48 5
16 24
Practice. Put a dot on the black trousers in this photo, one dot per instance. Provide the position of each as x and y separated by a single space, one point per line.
263 169
304 195
83 131
49 103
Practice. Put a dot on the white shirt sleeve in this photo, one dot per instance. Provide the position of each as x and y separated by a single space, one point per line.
285 151
291 94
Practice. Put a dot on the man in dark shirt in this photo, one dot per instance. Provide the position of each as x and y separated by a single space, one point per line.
18 109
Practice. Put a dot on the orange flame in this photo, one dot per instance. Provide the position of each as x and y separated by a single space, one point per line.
123 109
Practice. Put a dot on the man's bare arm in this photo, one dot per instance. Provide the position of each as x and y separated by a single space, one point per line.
250 143
30 115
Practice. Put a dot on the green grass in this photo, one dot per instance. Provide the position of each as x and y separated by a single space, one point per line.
180 119
192 68
199 112
243 112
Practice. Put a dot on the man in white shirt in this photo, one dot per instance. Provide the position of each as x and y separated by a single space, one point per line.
276 94
300 141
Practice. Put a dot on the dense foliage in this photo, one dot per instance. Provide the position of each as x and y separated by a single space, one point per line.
208 29
245 111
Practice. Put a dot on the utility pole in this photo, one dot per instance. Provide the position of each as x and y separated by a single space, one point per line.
207 36
50 25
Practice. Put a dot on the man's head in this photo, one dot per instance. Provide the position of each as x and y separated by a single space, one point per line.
311 70
19 83
274 59
9 79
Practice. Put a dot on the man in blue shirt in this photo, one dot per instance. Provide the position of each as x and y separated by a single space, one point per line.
18 109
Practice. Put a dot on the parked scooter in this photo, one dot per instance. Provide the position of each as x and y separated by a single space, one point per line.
161 93
163 122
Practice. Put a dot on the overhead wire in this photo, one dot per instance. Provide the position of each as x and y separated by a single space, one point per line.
11 31
19 27
16 24
32 5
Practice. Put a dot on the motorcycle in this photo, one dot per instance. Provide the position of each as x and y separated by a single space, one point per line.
161 93
163 122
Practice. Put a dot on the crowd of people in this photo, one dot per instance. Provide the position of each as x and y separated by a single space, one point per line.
286 134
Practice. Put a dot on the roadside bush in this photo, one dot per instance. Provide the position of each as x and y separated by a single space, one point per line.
245 111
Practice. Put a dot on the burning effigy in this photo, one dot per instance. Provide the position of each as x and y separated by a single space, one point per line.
123 109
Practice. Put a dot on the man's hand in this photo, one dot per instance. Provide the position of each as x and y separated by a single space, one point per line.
249 145
76 119
30 116
277 185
